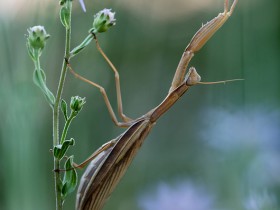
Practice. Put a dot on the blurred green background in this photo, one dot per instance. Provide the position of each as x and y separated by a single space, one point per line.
217 148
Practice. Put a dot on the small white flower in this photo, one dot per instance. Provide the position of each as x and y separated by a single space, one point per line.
103 20
110 14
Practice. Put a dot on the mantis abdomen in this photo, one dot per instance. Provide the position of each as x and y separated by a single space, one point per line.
106 170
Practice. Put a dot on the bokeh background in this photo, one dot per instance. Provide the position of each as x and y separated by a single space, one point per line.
216 149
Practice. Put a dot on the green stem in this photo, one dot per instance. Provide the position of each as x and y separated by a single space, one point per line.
66 126
81 46
58 184
37 61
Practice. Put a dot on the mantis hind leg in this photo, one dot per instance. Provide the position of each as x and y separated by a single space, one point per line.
105 147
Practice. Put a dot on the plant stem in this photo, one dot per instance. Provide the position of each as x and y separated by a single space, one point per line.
59 201
37 61
66 126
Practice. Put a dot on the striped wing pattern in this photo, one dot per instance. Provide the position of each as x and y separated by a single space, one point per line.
106 170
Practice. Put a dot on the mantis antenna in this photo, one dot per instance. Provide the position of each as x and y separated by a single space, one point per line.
219 82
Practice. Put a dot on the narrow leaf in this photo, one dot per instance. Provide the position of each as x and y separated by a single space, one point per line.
63 106
36 78
70 178
79 48
39 78
65 16
60 150
50 97
30 51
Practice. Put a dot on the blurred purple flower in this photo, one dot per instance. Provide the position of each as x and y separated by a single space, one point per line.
256 128
261 201
83 5
181 196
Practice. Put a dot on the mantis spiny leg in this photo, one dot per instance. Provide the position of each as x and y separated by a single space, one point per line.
199 40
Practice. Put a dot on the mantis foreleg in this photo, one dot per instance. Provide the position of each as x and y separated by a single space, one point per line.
199 40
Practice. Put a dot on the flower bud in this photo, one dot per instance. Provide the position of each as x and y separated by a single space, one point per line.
103 20
77 103
37 37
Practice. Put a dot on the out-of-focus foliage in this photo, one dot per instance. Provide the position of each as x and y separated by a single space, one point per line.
218 148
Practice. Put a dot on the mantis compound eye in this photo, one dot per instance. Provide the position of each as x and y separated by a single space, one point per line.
192 77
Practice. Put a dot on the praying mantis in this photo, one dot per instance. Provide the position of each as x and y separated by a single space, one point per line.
110 162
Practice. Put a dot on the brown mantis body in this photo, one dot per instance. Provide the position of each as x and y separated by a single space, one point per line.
113 158
110 162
